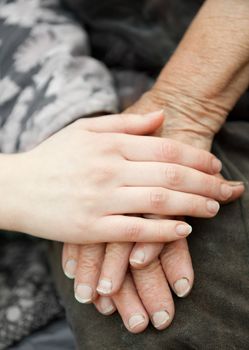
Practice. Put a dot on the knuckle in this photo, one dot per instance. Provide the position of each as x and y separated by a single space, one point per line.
157 198
88 264
173 176
211 185
170 151
103 174
204 161
194 207
133 231
174 256
147 278
108 145
159 231
115 251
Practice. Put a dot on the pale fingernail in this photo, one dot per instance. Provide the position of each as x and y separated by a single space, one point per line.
236 183
182 287
136 320
216 165
213 206
107 306
226 191
83 293
153 114
70 268
104 286
183 229
160 318
138 257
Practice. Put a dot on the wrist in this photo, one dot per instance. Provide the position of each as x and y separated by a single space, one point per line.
202 115
10 186
183 116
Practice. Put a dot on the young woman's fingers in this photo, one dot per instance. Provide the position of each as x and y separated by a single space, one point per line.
177 265
121 228
155 294
70 255
158 200
105 305
175 177
125 123
143 254
148 148
114 268
130 307
88 270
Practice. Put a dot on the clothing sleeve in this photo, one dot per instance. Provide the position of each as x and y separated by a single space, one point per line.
48 78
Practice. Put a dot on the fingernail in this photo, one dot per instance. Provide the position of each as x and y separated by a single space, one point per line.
136 320
107 306
182 287
216 165
138 257
70 268
83 293
104 286
154 114
226 191
160 318
213 206
183 229
236 183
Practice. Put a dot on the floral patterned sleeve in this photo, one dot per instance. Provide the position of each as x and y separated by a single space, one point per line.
47 77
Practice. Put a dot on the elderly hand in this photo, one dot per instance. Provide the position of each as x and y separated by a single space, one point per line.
197 100
101 270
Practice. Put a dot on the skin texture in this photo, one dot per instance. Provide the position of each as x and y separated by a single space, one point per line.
196 100
88 192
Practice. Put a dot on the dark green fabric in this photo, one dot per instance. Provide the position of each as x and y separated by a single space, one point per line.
215 316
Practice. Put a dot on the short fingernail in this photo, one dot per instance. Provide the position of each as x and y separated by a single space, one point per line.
183 229
160 318
182 287
107 306
213 206
70 268
216 165
154 114
83 293
104 286
138 257
136 320
236 183
226 191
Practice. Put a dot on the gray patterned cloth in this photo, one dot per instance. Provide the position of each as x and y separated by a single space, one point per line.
47 80
47 77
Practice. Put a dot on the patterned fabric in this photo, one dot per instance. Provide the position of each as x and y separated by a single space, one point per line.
47 80
27 296
47 77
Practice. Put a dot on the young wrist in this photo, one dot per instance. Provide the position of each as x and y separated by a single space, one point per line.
10 187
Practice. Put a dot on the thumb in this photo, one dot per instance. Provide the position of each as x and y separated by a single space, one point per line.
238 188
136 124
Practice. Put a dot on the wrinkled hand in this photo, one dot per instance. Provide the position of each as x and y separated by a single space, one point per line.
154 294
